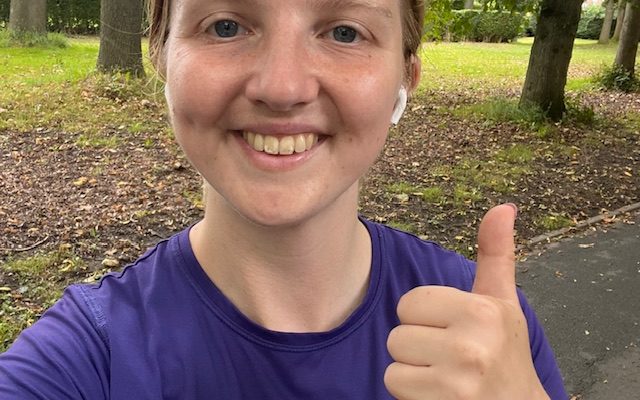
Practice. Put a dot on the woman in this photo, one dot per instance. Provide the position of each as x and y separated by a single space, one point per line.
282 291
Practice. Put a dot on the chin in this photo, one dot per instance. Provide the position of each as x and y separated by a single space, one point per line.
274 218
279 207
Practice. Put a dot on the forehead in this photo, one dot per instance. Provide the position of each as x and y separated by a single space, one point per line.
385 8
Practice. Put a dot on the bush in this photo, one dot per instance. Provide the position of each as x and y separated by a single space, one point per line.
617 78
69 16
74 16
489 26
30 39
580 113
591 22
530 24
457 4
499 27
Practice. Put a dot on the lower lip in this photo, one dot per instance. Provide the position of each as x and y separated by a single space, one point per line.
270 162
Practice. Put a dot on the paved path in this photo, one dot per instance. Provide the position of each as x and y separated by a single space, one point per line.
586 291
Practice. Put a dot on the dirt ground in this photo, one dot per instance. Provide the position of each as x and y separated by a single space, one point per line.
110 203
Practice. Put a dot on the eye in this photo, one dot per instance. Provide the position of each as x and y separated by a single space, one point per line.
226 28
345 34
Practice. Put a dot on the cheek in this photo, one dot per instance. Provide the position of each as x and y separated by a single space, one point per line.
197 91
373 89
367 106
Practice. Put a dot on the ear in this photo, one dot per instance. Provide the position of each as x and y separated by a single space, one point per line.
415 72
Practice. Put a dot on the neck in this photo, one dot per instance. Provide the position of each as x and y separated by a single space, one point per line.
303 277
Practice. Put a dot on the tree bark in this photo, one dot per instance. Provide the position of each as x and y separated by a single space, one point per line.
628 47
468 4
622 5
121 36
28 16
605 33
551 55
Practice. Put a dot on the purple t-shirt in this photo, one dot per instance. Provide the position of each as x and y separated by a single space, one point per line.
161 329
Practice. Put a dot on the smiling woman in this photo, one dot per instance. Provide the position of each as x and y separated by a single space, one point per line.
282 290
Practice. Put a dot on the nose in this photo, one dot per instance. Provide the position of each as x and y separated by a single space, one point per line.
283 79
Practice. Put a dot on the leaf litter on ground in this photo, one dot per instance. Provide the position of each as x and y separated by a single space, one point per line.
103 201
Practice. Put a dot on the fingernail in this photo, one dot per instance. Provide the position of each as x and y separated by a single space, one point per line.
515 209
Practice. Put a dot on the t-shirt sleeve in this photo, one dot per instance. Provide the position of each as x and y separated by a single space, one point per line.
542 354
64 355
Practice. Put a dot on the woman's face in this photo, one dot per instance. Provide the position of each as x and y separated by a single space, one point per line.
282 105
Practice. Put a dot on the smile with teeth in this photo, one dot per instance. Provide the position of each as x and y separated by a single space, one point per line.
283 145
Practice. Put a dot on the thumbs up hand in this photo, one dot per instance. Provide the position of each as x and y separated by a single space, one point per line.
452 344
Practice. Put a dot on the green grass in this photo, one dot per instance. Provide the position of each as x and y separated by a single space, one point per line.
529 116
464 194
403 188
403 226
503 110
59 88
498 173
35 265
503 65
516 154
433 195
552 222
13 319
21 66
40 280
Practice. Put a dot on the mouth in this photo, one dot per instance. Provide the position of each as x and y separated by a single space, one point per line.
281 144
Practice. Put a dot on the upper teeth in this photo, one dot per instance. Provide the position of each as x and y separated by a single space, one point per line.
284 145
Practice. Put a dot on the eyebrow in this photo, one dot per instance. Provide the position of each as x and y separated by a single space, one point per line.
333 4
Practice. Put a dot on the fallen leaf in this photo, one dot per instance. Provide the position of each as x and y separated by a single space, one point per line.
110 263
402 197
81 181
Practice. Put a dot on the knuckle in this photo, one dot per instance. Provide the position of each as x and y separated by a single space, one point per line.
394 340
474 357
392 379
409 303
406 304
464 392
485 310
397 342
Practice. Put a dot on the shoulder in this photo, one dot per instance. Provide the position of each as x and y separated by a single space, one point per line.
157 267
85 328
417 261
125 298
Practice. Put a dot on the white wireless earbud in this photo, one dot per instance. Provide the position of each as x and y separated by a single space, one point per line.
401 104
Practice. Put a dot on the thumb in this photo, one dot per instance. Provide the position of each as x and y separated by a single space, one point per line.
496 265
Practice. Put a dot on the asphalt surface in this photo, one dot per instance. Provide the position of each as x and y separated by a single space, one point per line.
586 292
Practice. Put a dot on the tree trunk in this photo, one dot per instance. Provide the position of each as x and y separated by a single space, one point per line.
622 5
468 4
605 33
550 56
120 37
28 16
628 47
